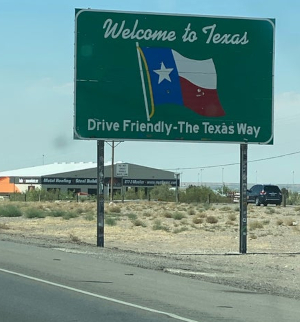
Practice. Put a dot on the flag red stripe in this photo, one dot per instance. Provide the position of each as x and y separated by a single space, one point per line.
203 101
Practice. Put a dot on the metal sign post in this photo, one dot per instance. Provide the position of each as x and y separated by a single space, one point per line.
100 193
243 198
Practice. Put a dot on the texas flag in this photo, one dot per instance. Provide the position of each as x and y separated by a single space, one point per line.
178 80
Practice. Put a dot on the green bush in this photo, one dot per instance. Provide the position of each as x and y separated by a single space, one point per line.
201 194
178 216
293 198
132 216
35 213
69 215
10 211
110 221
163 193
56 213
89 216
159 226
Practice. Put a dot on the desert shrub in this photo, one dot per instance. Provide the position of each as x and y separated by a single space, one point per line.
69 215
179 230
252 236
167 214
114 208
211 219
147 214
225 208
255 225
202 215
110 221
290 221
132 216
79 210
232 217
56 213
10 211
192 212
139 222
178 216
206 206
197 220
159 226
279 222
270 211
89 216
35 213
74 238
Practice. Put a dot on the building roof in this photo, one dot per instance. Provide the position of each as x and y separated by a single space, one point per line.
48 169
64 167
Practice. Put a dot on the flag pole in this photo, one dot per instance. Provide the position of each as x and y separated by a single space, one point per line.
143 81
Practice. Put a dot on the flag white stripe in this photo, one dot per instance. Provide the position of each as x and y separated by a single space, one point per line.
199 72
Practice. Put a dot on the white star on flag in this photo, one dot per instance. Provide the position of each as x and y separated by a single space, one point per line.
163 72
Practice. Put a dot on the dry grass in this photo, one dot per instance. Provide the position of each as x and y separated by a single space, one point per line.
133 225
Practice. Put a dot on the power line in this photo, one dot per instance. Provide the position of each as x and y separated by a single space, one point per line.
236 163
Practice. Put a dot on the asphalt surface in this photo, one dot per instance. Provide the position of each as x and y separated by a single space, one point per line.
44 284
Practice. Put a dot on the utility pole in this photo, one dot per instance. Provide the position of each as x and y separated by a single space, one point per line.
112 176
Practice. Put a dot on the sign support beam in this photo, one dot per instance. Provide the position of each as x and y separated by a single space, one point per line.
100 193
243 197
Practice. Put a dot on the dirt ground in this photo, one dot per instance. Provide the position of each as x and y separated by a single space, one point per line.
193 240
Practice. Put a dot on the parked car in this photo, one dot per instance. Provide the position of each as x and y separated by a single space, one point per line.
264 194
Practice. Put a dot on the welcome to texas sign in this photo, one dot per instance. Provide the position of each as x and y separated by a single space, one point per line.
141 76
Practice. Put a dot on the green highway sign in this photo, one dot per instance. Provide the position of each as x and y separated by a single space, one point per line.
163 77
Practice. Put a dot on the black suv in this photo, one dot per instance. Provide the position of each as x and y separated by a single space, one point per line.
264 194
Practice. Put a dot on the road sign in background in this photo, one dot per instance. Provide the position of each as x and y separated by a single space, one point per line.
173 77
121 170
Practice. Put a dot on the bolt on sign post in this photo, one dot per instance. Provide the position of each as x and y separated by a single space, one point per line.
166 77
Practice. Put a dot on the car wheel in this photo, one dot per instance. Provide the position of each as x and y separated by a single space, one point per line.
257 203
265 204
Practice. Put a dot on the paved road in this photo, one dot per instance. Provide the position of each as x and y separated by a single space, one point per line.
42 284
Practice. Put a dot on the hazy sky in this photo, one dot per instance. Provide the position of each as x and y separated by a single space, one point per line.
36 92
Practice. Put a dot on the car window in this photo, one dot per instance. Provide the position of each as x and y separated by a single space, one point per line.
271 189
257 188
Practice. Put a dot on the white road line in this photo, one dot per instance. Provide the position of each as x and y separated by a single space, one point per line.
175 316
